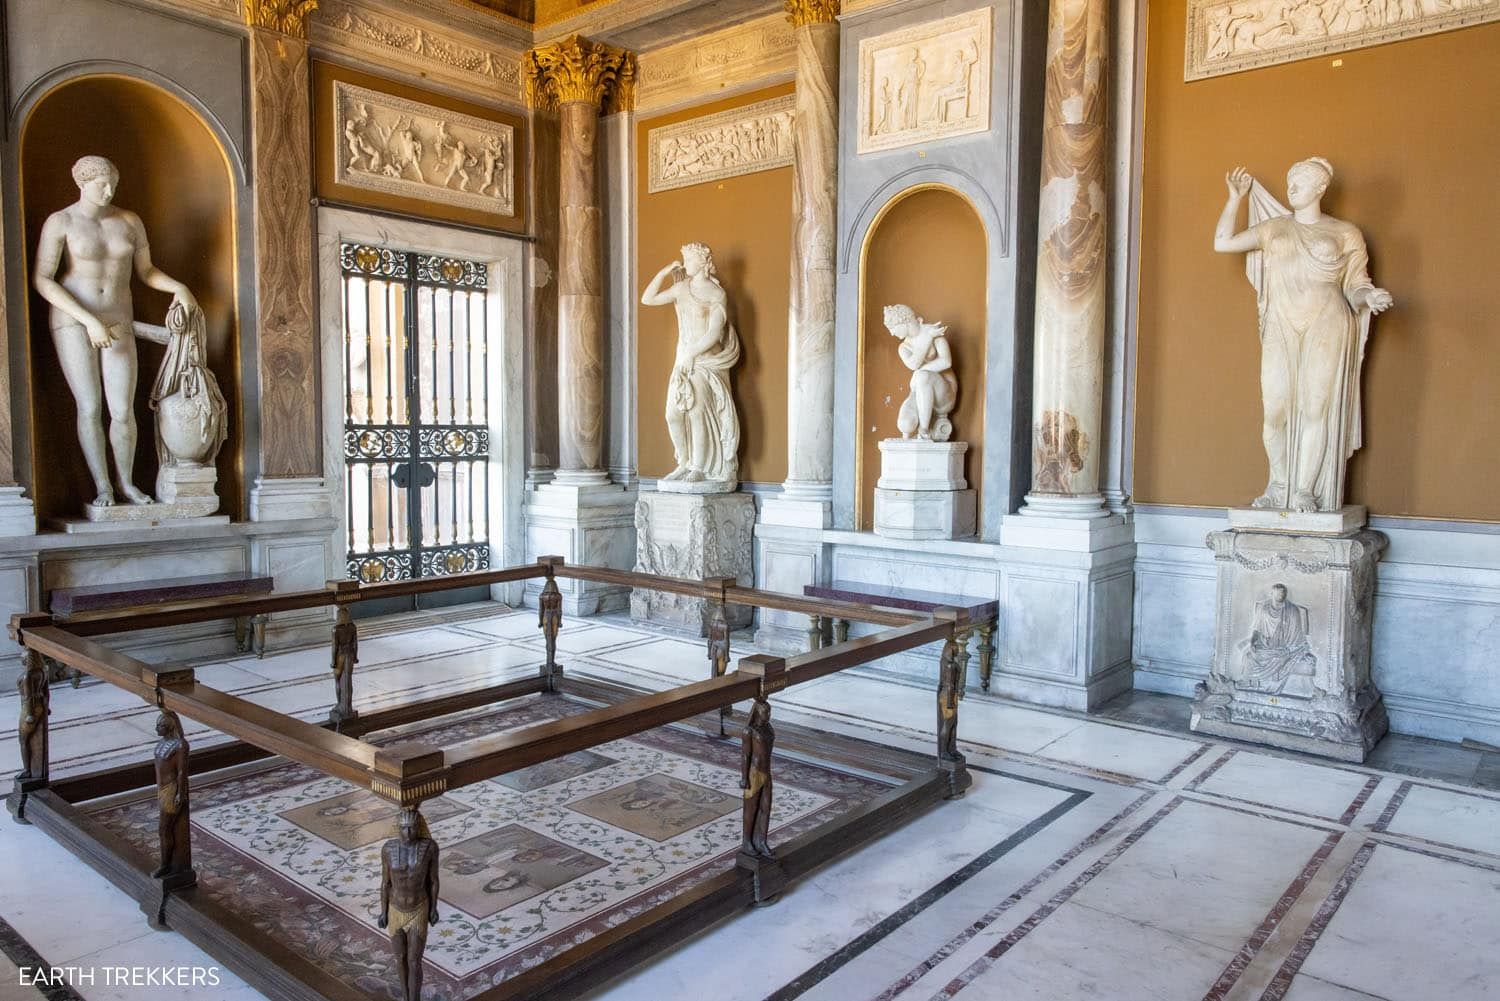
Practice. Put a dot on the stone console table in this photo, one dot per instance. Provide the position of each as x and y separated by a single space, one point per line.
983 613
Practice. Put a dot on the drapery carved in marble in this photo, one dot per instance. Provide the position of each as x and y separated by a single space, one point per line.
407 148
930 81
1227 36
728 144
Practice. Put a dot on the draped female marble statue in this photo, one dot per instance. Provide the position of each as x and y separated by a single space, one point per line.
934 388
1315 299
701 416
91 316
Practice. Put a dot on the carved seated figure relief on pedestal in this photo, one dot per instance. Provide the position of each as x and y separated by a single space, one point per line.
87 255
1277 658
934 388
701 416
1315 299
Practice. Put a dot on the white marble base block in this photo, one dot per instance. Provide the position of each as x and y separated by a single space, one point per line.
1292 637
188 485
588 523
691 536
922 493
1350 518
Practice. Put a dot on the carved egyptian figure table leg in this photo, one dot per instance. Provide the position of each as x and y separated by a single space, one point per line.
986 653
409 896
31 731
756 856
718 653
173 814
549 618
950 689
345 656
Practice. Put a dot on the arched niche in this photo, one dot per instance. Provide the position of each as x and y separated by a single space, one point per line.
174 174
926 248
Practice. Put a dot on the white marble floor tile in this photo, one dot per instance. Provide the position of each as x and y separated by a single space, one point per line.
85 739
1451 818
517 625
1305 988
1300 786
286 666
668 656
574 639
418 644
1118 749
158 952
1414 928
490 663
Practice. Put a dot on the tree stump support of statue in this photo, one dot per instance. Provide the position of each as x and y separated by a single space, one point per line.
756 860
1297 567
345 652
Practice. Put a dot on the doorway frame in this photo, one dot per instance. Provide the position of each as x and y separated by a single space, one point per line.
506 308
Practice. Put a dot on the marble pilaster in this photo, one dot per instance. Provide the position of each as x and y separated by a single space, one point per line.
17 515
1072 265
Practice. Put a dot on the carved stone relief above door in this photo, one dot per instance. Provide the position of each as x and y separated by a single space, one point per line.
926 82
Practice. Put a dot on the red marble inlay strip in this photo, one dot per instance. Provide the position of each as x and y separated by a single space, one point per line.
1209 771
992 915
1278 911
1282 982
1389 813
1187 762
1347 817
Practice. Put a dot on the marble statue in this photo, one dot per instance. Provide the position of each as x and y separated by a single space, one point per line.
701 416
94 334
1315 299
1277 657
934 388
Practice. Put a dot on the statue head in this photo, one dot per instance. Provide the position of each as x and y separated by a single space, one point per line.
1278 595
96 178
698 259
1307 180
901 321
167 724
410 825
760 713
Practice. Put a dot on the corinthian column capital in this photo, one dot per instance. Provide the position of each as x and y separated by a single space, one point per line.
289 17
578 70
802 12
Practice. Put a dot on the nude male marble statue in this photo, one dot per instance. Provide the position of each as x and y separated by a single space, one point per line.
409 897
1315 298
934 388
701 416
91 316
1277 658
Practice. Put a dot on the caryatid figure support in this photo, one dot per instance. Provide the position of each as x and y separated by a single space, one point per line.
814 220
578 78
1071 267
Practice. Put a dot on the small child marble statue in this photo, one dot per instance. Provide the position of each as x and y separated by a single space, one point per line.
934 388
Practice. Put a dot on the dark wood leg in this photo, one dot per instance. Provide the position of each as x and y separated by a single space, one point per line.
549 617
241 634
258 634
950 685
814 632
345 656
756 858
31 732
174 824
963 660
840 630
409 897
718 654
986 654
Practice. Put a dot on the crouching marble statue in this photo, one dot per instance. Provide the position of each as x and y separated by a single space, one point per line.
922 492
84 263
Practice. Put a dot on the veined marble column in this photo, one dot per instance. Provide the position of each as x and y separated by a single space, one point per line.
576 76
290 482
1071 271
814 210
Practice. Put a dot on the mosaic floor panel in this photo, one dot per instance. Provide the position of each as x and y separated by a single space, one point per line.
532 862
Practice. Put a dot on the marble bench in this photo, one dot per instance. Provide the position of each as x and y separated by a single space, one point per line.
983 614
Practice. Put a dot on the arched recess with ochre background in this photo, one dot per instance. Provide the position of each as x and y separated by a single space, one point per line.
176 175
926 249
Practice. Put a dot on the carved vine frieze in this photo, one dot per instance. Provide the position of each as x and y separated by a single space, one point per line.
372 32
739 141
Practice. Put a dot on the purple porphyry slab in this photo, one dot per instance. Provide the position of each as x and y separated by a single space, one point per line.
99 597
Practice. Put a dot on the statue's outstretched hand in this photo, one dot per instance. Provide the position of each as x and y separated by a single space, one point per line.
1239 181
1378 300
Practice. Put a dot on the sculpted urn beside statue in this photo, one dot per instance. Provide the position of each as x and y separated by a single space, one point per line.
85 260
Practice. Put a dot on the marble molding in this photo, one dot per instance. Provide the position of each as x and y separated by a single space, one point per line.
735 58
280 105
814 235
922 492
728 144
401 147
1228 36
924 83
1071 270
693 537
1292 640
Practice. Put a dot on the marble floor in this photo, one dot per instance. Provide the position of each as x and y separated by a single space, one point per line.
1113 857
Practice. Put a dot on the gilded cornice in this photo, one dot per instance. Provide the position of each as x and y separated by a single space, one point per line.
289 17
578 70
803 12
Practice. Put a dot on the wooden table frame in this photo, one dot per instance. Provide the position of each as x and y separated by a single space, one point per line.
409 773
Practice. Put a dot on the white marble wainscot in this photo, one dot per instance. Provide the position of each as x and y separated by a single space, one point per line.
1063 635
592 524
693 536
293 552
1436 624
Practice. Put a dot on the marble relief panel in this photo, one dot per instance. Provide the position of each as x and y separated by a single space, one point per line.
929 81
739 141
401 147
1227 36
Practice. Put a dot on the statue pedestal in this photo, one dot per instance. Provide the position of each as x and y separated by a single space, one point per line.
188 488
1291 667
922 493
692 536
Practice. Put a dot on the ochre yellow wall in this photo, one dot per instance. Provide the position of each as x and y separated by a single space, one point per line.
747 223
174 175
927 251
1412 129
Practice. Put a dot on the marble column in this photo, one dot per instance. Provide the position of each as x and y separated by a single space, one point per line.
290 482
1072 265
814 208
576 76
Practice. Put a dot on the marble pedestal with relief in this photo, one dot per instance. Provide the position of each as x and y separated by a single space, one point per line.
1292 634
922 493
692 536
